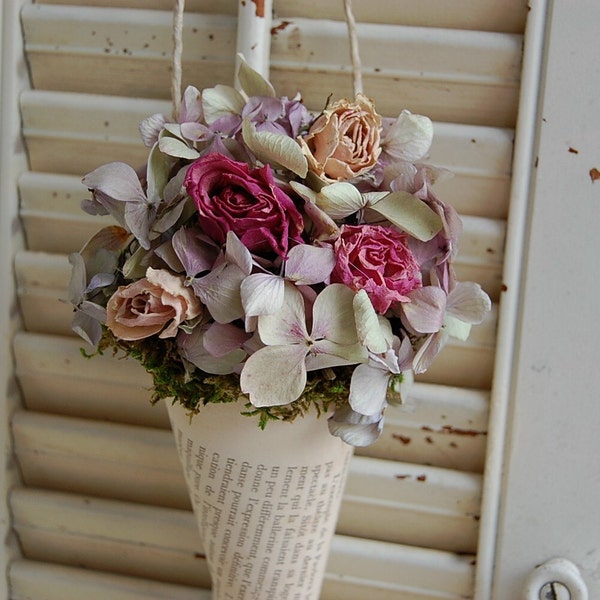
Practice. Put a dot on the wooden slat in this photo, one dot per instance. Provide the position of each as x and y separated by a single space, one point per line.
384 500
479 258
480 15
51 213
56 378
411 504
46 275
73 134
479 160
126 538
109 460
450 75
205 6
34 580
161 544
441 426
55 223
123 51
360 569
50 203
42 287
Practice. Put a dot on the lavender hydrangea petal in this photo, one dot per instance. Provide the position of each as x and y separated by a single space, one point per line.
274 375
309 265
355 429
368 388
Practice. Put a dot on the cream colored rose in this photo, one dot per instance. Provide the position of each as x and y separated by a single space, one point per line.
157 304
343 142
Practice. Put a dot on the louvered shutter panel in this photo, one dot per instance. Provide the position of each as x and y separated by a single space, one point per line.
102 511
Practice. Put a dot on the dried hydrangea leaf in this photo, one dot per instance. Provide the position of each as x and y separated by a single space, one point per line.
409 214
252 82
275 149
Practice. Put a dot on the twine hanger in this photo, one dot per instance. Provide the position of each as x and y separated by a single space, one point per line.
176 70
178 9
354 52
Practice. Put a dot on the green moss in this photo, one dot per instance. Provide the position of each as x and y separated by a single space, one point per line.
173 378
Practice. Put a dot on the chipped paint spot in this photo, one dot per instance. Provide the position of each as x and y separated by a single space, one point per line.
260 8
451 430
280 27
594 174
460 431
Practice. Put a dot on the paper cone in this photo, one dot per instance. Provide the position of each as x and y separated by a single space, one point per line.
266 501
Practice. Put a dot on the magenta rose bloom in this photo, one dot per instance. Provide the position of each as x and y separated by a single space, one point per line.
376 259
230 196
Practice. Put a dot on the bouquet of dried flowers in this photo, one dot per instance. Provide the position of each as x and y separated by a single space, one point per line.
294 260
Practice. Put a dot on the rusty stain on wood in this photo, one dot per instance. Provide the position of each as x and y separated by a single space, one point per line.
452 429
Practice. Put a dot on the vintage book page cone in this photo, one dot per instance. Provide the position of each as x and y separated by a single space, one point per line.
266 501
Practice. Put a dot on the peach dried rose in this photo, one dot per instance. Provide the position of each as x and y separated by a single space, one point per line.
344 141
159 303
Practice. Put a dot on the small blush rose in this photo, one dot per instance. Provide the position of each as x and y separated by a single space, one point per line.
157 304
343 142
230 196
378 260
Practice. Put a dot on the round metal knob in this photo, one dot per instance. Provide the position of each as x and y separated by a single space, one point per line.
555 591
557 579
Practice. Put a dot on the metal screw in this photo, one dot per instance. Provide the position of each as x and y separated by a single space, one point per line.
555 590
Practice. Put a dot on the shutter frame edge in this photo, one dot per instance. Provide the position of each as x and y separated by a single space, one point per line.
508 318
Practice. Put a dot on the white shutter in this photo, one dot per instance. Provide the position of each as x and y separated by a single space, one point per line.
102 511
551 490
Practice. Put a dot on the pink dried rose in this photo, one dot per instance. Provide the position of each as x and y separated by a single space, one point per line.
378 260
157 304
344 141
230 196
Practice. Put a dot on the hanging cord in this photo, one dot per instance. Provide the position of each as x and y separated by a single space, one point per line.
176 58
354 53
